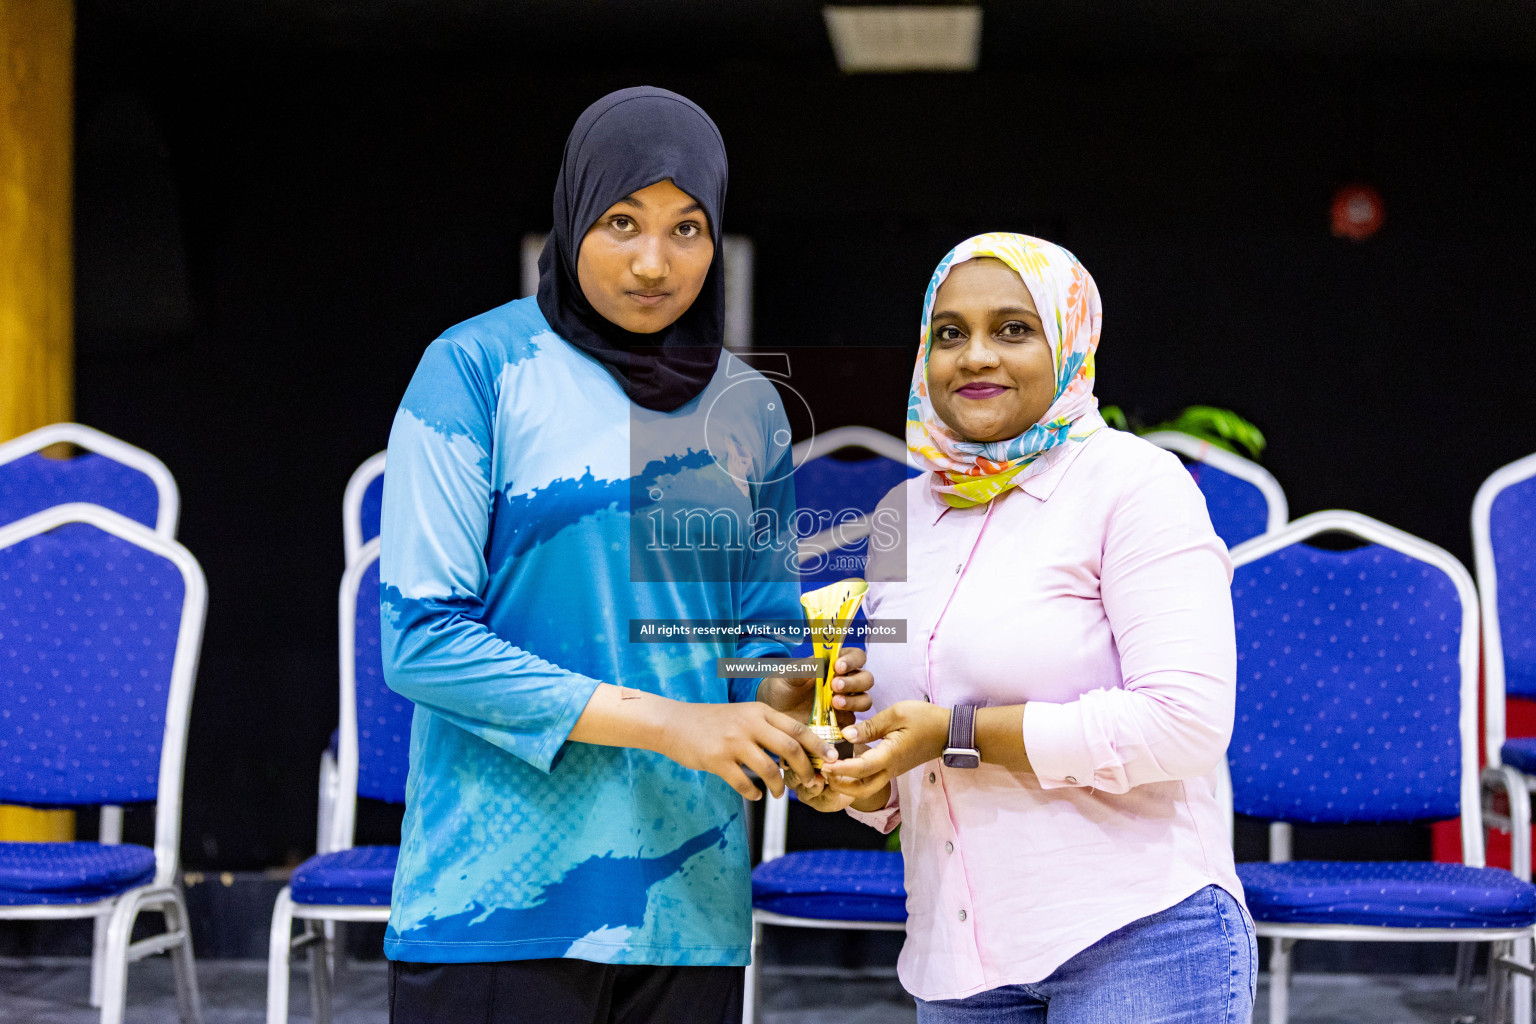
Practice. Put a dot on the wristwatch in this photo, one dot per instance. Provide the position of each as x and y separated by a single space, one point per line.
961 751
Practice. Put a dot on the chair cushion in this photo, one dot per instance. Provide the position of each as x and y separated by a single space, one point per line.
38 873
383 716
833 885
89 625
1239 510
1348 687
1390 894
1512 537
1520 754
34 482
360 877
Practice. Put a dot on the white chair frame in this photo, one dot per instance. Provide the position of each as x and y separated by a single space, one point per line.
775 831
352 504
314 937
118 451
1497 776
1284 935
853 528
115 916
1233 465
838 438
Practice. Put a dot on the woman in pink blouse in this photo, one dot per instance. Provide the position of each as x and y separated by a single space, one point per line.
1050 732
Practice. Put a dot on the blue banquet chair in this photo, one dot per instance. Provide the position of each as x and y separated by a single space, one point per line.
859 890
1504 546
343 882
101 624
830 889
1244 500
835 498
107 472
1357 703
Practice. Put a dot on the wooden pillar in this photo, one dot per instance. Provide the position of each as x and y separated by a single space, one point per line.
37 91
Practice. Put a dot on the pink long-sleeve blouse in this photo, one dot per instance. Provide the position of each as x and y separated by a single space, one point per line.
1097 594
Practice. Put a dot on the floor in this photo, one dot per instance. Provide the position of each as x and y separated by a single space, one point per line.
234 992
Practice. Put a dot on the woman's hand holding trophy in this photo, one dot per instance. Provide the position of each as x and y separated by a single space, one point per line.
842 689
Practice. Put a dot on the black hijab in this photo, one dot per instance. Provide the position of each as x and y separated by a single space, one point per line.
624 142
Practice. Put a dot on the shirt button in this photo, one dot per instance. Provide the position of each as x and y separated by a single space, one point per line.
1072 779
962 915
949 847
932 777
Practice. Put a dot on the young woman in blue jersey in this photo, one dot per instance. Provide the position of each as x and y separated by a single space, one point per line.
573 847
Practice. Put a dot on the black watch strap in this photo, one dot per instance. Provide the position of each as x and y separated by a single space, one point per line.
961 751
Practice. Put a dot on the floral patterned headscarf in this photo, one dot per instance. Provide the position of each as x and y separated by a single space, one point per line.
970 473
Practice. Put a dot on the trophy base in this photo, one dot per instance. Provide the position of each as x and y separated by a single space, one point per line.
832 735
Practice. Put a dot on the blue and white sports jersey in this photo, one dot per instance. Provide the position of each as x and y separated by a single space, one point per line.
531 512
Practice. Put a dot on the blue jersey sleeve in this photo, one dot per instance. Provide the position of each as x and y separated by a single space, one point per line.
437 650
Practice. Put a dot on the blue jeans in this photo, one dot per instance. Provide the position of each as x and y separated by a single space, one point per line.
1194 963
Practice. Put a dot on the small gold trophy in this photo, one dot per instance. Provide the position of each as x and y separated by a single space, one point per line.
830 610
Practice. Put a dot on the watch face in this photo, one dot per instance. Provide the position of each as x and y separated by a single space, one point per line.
962 759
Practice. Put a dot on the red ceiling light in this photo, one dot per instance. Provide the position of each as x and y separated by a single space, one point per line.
1357 212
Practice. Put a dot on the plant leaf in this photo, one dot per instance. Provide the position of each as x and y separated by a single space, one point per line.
1220 427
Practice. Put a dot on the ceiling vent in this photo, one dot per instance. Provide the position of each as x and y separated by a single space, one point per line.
905 37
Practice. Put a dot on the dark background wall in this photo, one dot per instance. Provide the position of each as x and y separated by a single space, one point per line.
280 205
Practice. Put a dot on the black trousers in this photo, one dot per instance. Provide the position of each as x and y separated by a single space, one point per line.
560 991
